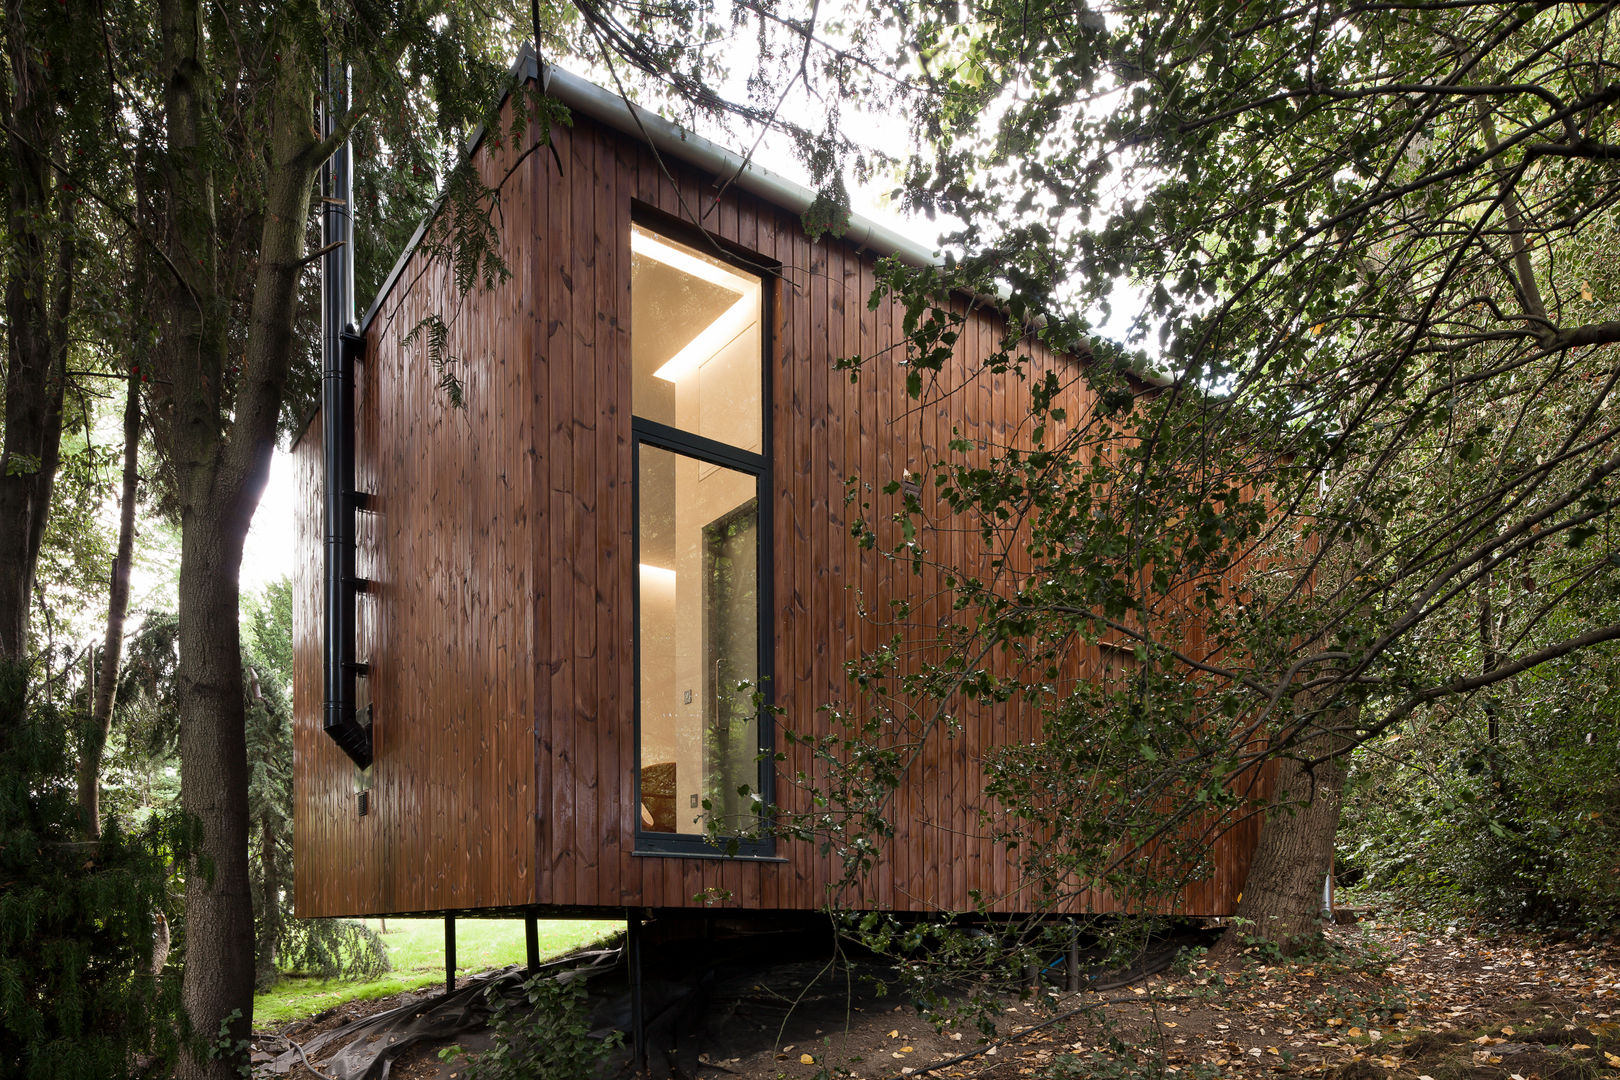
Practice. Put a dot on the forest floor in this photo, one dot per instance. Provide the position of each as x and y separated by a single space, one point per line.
1379 1002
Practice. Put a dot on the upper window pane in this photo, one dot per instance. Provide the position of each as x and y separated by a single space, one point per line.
697 338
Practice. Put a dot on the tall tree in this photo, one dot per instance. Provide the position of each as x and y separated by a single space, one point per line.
39 268
1354 230
105 689
1357 228
240 156
222 101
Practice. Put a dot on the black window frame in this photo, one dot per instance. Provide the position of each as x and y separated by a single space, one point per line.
712 451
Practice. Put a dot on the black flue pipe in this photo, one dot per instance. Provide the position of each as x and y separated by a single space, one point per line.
340 345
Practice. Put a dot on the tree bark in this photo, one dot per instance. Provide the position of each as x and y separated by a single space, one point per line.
217 982
38 298
1282 895
95 736
222 443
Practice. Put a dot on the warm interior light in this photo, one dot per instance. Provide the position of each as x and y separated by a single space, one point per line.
714 337
660 575
723 330
645 243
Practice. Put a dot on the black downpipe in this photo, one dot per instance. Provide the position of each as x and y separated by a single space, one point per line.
340 345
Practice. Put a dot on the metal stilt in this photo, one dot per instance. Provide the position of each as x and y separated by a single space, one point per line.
638 1033
449 954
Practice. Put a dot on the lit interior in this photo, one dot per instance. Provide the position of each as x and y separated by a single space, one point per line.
697 346
696 341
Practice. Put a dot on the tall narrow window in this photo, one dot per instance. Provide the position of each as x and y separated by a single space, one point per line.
702 655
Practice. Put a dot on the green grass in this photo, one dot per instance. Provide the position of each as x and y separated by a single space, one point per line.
416 948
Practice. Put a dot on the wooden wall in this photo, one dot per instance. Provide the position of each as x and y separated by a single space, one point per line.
502 642
449 626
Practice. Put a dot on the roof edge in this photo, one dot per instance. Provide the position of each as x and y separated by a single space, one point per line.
585 97
602 105
606 107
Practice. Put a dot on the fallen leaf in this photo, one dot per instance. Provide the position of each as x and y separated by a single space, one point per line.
895 1034
806 1059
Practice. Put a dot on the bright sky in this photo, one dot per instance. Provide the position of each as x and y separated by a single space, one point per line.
272 541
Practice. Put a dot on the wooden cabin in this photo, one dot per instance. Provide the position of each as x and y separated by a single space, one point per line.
640 506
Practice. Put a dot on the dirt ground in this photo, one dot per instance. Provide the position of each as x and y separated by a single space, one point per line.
1379 1003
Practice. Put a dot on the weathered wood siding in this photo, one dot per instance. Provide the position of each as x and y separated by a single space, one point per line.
502 640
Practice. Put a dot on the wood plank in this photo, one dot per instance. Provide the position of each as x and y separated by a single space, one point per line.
516 541
546 185
563 869
616 746
581 552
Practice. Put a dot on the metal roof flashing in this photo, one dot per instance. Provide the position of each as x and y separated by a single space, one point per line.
605 107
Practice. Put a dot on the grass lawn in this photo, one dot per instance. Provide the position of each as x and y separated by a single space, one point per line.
416 948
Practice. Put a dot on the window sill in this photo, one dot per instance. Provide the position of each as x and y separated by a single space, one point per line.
644 853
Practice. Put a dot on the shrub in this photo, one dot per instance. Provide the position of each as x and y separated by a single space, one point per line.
78 997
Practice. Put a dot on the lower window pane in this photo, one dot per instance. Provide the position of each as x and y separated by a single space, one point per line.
698 652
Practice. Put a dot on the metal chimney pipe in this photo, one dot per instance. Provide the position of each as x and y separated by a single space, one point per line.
340 344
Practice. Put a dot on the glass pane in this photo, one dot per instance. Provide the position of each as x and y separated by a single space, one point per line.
699 644
696 338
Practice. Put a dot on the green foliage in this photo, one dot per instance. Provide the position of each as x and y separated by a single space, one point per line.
77 553
329 948
1523 829
1375 485
546 1037
77 995
140 771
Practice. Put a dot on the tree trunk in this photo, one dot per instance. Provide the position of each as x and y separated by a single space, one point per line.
1282 895
95 737
217 983
39 265
222 446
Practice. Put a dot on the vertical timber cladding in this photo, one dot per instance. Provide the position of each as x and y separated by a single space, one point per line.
447 627
501 630
824 429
